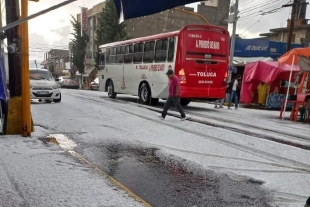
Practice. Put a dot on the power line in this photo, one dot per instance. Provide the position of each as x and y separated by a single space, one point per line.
253 24
247 3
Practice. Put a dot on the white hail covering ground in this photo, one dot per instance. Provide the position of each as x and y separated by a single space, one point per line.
32 174
91 118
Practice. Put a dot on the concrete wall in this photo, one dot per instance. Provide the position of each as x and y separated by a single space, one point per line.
216 15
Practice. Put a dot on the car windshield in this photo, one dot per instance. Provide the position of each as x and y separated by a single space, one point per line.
40 75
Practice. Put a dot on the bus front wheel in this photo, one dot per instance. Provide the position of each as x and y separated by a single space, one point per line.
185 101
110 89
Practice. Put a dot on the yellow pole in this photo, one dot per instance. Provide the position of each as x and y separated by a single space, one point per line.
194 14
25 72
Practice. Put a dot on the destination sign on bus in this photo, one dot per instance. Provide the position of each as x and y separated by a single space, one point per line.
207 44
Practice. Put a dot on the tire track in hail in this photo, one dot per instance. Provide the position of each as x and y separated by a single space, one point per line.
256 152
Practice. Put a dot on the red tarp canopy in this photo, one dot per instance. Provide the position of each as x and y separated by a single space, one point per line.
263 71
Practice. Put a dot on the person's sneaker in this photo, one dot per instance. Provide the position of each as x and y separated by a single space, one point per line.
215 107
229 108
236 108
221 107
183 118
161 117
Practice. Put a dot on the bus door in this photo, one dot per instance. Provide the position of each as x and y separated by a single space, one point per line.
102 68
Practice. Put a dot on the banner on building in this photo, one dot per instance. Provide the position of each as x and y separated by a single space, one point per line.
84 19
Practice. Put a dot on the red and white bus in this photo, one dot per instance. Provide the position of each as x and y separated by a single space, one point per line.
198 54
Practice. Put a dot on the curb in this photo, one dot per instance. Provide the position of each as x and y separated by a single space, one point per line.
84 161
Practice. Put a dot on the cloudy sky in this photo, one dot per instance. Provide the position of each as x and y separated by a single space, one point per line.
53 30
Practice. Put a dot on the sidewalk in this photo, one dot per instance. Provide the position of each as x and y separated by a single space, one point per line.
34 174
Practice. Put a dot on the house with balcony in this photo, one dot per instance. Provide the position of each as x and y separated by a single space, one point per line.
57 61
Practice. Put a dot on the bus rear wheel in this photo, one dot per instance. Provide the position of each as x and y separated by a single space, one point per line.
144 94
185 101
110 89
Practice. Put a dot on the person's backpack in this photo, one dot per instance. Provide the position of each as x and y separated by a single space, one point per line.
230 86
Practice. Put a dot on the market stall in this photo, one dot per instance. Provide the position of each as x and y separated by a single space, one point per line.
300 57
264 82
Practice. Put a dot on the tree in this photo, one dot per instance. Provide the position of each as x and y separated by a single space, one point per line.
109 29
79 43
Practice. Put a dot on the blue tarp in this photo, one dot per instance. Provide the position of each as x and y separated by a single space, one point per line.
138 8
3 89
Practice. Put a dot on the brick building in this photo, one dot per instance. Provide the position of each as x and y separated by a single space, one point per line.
214 12
301 32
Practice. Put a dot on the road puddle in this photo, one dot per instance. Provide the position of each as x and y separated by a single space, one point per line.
169 183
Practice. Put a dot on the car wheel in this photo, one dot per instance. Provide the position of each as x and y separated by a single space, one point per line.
110 89
184 101
144 94
57 100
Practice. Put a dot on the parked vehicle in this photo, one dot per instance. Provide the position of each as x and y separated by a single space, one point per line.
198 54
43 86
94 86
68 82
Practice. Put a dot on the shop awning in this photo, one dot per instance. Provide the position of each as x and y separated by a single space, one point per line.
263 71
301 56
87 71
242 61
128 9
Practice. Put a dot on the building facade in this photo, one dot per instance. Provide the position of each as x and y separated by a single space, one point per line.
213 12
57 62
301 32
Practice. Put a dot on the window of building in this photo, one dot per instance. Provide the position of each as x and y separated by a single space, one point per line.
107 54
128 54
148 56
171 49
138 52
161 50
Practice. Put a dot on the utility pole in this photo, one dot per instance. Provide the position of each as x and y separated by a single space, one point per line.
15 111
27 124
12 15
233 38
293 14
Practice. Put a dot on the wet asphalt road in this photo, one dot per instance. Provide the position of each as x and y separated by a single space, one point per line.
169 183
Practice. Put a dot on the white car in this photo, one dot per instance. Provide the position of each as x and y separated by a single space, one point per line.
43 86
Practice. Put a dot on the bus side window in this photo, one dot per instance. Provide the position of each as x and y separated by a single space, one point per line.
138 51
149 52
120 55
161 50
171 49
128 54
112 55
107 54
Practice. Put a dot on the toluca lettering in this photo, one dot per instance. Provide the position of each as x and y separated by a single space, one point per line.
206 74
143 67
207 44
257 48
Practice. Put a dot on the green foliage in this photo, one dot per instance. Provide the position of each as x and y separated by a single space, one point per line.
109 29
79 45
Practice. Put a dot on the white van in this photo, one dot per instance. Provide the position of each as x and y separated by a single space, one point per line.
43 86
